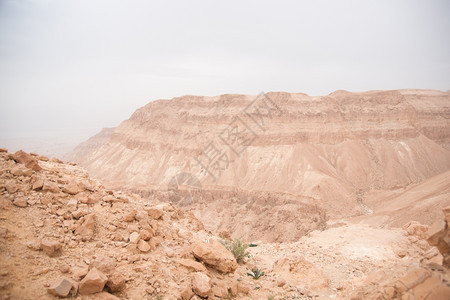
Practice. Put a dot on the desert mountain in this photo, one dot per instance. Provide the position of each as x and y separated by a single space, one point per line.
63 234
276 166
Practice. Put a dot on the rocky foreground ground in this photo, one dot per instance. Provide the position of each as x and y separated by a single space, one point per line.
62 234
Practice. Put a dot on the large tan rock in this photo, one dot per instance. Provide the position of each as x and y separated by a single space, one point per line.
104 264
215 255
27 160
147 234
439 235
187 292
143 246
130 216
81 211
20 202
436 232
201 284
141 216
155 213
11 187
38 183
51 247
116 282
86 227
93 282
192 265
50 186
72 188
21 171
134 237
63 287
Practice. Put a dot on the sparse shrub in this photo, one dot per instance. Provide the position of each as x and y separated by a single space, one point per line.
256 274
237 248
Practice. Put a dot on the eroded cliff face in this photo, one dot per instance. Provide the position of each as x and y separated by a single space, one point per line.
324 152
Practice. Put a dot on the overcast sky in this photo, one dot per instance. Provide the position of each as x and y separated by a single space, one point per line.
74 67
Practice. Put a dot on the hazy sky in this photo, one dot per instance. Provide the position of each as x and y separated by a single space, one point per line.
70 67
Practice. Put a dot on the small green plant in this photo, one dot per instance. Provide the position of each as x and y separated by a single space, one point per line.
271 298
237 248
256 273
253 245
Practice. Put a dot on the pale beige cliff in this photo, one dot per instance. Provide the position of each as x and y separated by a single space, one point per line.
302 161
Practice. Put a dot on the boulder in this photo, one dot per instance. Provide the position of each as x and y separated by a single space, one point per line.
439 235
81 273
72 205
86 227
143 246
21 171
93 282
116 282
81 211
38 183
134 237
62 288
201 284
141 215
187 293
215 255
146 234
104 264
64 268
192 265
155 213
11 187
20 202
51 248
130 216
27 160
72 188
50 186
